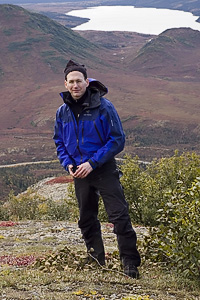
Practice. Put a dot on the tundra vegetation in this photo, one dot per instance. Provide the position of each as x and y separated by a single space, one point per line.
163 197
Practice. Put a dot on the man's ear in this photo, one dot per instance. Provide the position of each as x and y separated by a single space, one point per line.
87 80
66 84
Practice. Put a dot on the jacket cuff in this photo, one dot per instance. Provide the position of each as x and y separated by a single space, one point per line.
93 164
66 168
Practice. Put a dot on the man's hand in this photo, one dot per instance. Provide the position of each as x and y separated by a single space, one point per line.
70 168
82 170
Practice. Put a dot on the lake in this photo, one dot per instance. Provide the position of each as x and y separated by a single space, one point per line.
130 18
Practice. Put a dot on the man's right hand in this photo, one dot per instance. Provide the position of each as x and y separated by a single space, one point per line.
81 171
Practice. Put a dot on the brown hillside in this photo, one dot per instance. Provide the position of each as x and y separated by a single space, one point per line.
34 46
173 54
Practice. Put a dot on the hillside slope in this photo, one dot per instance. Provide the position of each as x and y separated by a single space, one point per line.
38 44
173 54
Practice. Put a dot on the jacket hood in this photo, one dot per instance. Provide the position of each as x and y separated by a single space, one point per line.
94 86
97 85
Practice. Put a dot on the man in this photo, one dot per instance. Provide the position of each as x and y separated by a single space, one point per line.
88 134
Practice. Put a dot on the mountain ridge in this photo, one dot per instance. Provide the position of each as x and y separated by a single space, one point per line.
172 54
28 30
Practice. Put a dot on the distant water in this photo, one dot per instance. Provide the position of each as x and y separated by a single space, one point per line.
130 18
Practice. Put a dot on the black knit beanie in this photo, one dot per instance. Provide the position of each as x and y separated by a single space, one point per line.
73 66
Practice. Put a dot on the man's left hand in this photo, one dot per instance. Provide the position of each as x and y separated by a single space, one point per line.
83 170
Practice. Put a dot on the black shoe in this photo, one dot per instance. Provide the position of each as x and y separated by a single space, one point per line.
131 271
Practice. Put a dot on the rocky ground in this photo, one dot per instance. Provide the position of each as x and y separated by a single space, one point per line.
44 260
22 243
54 188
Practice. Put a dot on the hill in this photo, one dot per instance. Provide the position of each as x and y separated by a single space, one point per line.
37 43
173 54
159 109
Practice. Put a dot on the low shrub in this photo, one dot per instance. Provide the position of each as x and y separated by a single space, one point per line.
59 211
24 206
166 196
140 191
176 240
4 215
72 203
31 206
145 188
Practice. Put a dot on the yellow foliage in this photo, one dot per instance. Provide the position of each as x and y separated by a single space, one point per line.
78 293
137 297
43 208
93 292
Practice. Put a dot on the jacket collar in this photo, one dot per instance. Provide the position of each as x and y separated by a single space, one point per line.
95 90
92 99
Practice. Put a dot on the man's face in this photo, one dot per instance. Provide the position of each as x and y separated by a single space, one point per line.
76 84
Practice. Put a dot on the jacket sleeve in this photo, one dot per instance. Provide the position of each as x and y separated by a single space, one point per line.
115 137
62 153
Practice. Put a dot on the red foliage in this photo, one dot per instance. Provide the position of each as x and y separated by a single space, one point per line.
20 261
8 224
61 179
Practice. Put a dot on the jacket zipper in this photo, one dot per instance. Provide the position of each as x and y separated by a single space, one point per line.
82 133
76 130
95 126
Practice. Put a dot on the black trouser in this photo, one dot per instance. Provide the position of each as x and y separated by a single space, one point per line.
105 180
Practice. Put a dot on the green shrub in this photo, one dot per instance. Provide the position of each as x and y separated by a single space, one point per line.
31 206
140 191
72 203
4 215
168 171
24 206
145 188
166 196
57 210
103 217
176 240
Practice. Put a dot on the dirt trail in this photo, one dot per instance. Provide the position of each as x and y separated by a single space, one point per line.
25 164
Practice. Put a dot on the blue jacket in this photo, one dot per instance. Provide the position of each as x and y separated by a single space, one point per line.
97 136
